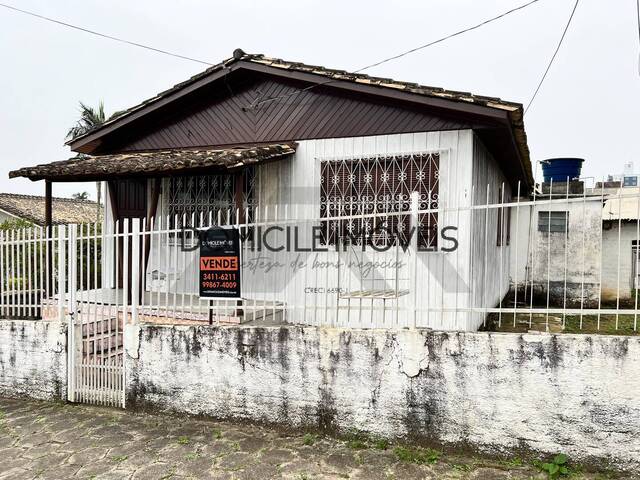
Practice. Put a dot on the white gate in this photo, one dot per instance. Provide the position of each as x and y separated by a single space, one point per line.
97 316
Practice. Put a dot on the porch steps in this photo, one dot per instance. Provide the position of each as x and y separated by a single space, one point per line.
102 341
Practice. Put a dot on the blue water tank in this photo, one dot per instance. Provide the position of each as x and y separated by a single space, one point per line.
561 169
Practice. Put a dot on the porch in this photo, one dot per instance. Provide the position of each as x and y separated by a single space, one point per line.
170 308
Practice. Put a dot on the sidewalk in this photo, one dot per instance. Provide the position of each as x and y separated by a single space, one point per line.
60 441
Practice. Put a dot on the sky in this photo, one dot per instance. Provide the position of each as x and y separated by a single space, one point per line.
588 106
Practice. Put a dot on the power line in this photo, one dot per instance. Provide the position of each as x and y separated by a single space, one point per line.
104 35
566 28
440 40
407 52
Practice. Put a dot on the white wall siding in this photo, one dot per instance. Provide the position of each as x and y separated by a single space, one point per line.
443 277
290 189
617 271
489 262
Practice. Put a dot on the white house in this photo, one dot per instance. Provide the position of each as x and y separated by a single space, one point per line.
261 142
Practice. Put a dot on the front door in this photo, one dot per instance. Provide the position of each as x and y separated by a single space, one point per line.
128 201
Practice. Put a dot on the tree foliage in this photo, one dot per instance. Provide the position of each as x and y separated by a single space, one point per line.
81 196
90 118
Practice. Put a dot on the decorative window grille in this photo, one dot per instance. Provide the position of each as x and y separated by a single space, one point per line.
204 194
360 188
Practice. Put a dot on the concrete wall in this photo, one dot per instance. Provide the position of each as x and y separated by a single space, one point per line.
493 392
33 359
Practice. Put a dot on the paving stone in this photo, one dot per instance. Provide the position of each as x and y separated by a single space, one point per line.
61 472
154 471
277 456
56 442
87 456
235 461
10 462
15 473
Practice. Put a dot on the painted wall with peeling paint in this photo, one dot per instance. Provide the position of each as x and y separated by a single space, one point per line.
33 359
540 257
499 393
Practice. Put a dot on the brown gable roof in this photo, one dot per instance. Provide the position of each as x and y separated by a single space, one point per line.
324 76
65 210
154 163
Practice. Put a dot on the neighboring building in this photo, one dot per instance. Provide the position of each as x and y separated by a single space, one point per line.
579 248
264 135
558 249
629 178
620 242
32 209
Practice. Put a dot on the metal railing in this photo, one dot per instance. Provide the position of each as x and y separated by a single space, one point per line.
553 261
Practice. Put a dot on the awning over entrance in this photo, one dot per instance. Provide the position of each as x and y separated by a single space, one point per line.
154 163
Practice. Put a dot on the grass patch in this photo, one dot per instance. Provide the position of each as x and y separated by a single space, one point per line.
192 456
357 444
183 440
574 324
512 462
119 458
309 439
418 455
217 433
381 444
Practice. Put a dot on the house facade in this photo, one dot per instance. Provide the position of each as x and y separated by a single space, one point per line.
353 162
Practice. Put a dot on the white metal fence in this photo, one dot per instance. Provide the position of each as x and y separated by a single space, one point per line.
555 259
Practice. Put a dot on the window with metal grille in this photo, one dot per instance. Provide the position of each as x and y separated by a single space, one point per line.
364 190
203 195
553 222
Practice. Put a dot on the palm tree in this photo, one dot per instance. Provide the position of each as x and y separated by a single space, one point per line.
90 118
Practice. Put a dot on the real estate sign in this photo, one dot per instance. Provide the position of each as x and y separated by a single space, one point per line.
220 263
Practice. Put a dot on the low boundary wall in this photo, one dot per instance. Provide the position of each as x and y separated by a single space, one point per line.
33 359
493 392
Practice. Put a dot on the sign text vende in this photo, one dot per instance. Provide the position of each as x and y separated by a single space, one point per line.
218 263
